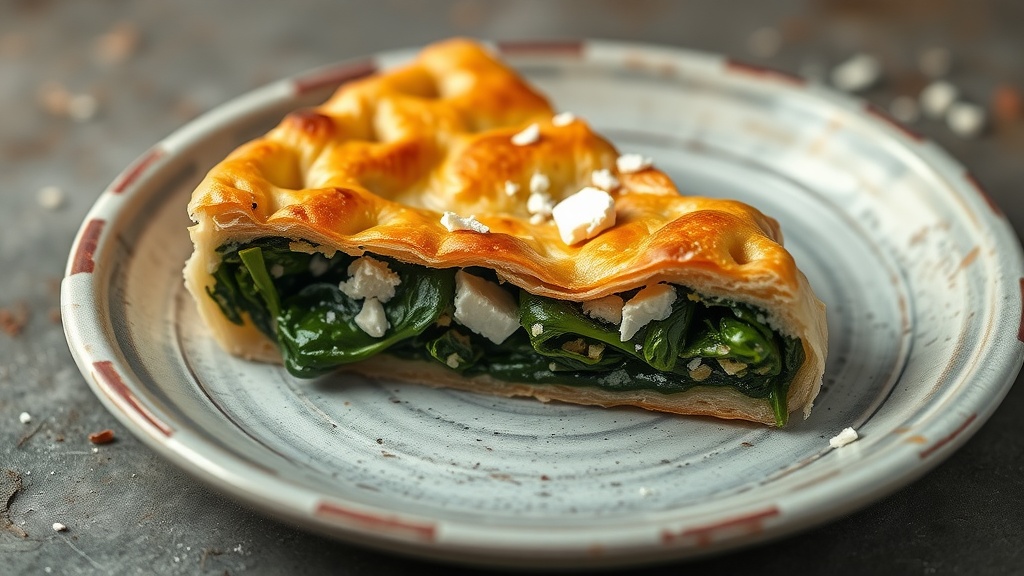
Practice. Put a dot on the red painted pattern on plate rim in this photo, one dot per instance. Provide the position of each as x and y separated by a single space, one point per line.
87 242
114 383
747 68
425 532
884 116
984 194
705 535
137 169
942 442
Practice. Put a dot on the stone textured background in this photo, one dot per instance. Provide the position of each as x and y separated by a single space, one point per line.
87 86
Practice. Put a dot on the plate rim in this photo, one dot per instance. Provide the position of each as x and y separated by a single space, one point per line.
111 379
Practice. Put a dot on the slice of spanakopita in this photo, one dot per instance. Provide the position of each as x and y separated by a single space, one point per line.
441 223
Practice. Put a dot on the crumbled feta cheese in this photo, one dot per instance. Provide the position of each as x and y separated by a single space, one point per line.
638 347
563 119
58 527
453 222
50 197
730 366
370 278
539 183
966 119
529 135
25 417
630 163
693 364
277 270
604 179
485 308
371 318
536 329
843 438
540 204
584 215
538 219
511 188
330 316
607 309
650 304
858 73
453 360
318 265
937 97
552 366
595 351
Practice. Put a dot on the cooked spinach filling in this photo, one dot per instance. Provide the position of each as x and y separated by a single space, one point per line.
295 299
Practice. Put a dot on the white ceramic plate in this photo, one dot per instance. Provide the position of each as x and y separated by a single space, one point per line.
921 274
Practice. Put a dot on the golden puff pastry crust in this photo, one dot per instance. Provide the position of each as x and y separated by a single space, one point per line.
374 167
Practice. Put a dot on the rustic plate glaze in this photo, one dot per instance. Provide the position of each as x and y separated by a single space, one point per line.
920 272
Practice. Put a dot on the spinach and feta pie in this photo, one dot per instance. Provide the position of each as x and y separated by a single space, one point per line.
441 223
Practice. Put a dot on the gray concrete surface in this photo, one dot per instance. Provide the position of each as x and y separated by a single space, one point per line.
151 66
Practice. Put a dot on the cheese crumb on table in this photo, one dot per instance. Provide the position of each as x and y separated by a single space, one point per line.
937 97
453 222
50 197
843 438
650 304
58 527
860 72
965 119
630 163
25 417
485 308
584 215
529 135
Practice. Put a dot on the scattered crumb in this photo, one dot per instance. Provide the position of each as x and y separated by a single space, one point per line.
50 197
102 437
453 222
843 438
764 42
965 119
13 321
58 527
118 44
905 109
82 107
25 417
511 188
95 450
859 73
937 97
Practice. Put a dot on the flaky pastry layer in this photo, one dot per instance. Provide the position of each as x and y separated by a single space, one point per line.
373 168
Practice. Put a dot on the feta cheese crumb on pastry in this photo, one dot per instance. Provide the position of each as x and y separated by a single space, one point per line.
443 223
